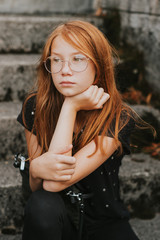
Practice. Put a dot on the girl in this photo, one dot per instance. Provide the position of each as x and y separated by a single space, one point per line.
77 131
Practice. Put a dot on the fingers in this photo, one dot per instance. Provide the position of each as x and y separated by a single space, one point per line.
98 96
62 166
66 174
103 99
64 159
64 178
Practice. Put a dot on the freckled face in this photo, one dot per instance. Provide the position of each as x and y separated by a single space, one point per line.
67 81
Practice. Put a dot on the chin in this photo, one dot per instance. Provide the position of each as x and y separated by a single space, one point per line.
69 93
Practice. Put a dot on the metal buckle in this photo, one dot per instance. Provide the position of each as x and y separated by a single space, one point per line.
19 161
76 197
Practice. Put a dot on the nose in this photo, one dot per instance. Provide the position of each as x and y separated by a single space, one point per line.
66 68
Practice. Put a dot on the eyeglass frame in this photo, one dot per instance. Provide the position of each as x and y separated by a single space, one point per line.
69 64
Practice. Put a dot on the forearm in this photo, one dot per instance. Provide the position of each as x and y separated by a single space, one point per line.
63 133
53 186
85 164
34 182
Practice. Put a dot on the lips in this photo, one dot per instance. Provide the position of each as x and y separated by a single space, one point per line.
66 83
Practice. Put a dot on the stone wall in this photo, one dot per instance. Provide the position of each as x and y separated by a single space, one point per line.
47 6
140 27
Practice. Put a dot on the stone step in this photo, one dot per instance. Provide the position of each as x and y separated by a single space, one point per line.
12 138
28 33
47 6
10 237
78 6
17 75
147 229
140 184
11 201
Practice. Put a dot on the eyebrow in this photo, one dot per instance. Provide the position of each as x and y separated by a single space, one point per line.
71 54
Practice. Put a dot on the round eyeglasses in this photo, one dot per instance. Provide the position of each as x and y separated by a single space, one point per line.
77 63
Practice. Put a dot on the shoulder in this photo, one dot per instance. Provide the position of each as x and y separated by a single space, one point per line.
29 104
127 125
26 116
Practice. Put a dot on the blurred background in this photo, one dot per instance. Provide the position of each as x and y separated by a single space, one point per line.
133 28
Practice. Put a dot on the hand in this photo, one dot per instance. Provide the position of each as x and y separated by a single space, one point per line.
55 167
92 98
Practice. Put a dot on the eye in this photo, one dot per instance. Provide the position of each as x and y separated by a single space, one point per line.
78 58
56 59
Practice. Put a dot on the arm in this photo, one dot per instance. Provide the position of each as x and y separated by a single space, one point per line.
93 98
33 150
53 165
84 164
64 129
49 166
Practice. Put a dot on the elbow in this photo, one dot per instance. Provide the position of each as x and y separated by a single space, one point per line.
35 184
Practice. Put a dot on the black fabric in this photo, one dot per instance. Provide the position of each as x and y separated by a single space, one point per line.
46 218
117 230
105 206
28 114
124 136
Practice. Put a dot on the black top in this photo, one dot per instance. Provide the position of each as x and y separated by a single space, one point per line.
103 182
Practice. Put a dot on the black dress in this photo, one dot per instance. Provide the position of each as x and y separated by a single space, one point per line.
106 217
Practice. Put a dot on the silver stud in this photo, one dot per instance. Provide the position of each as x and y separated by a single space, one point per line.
32 113
114 184
104 189
107 206
102 173
114 170
112 157
109 173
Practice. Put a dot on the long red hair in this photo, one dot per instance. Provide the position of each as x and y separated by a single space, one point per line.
89 40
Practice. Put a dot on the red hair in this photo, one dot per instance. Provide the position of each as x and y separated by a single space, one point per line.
89 40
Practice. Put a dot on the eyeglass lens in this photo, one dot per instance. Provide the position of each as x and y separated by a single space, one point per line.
77 63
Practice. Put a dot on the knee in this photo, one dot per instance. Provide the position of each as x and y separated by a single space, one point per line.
44 208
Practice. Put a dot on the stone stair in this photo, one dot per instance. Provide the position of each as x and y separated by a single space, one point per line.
22 36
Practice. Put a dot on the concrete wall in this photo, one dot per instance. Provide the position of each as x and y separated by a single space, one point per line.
140 27
138 6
